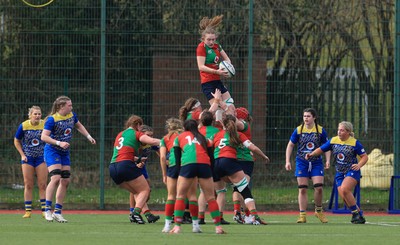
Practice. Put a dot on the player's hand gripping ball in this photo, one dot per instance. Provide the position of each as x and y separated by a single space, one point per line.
228 67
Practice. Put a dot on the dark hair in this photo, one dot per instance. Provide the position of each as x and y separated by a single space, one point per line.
146 128
230 127
206 118
314 114
192 126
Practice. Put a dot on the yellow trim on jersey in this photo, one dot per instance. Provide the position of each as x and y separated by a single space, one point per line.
27 125
350 141
57 117
308 131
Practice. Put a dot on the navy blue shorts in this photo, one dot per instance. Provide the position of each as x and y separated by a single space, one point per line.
216 178
124 171
199 170
209 87
247 167
173 172
226 167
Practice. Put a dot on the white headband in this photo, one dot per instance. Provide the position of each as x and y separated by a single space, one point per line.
196 105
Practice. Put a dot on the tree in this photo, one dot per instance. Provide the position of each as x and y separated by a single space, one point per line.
312 41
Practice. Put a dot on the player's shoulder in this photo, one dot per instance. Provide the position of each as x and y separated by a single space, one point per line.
350 141
25 124
57 117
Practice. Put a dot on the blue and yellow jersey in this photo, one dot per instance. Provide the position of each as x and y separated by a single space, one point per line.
30 135
61 128
308 140
344 152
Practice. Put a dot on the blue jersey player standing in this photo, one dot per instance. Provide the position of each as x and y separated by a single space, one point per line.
349 156
29 145
308 137
57 134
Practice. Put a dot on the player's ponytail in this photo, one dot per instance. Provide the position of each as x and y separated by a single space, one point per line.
192 126
209 26
230 127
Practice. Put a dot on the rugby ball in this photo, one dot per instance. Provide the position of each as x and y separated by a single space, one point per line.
224 65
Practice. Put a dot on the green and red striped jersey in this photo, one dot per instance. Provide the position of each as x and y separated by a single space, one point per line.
243 153
208 131
126 145
168 142
192 150
222 147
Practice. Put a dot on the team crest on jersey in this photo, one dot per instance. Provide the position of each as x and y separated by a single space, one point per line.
340 156
310 145
35 142
67 132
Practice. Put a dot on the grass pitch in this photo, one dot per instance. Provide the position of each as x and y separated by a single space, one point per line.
116 229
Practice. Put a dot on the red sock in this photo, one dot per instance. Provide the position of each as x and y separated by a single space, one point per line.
254 212
194 209
214 210
236 206
179 210
169 208
201 215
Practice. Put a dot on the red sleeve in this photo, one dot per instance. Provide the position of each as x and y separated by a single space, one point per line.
201 51
138 135
242 137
